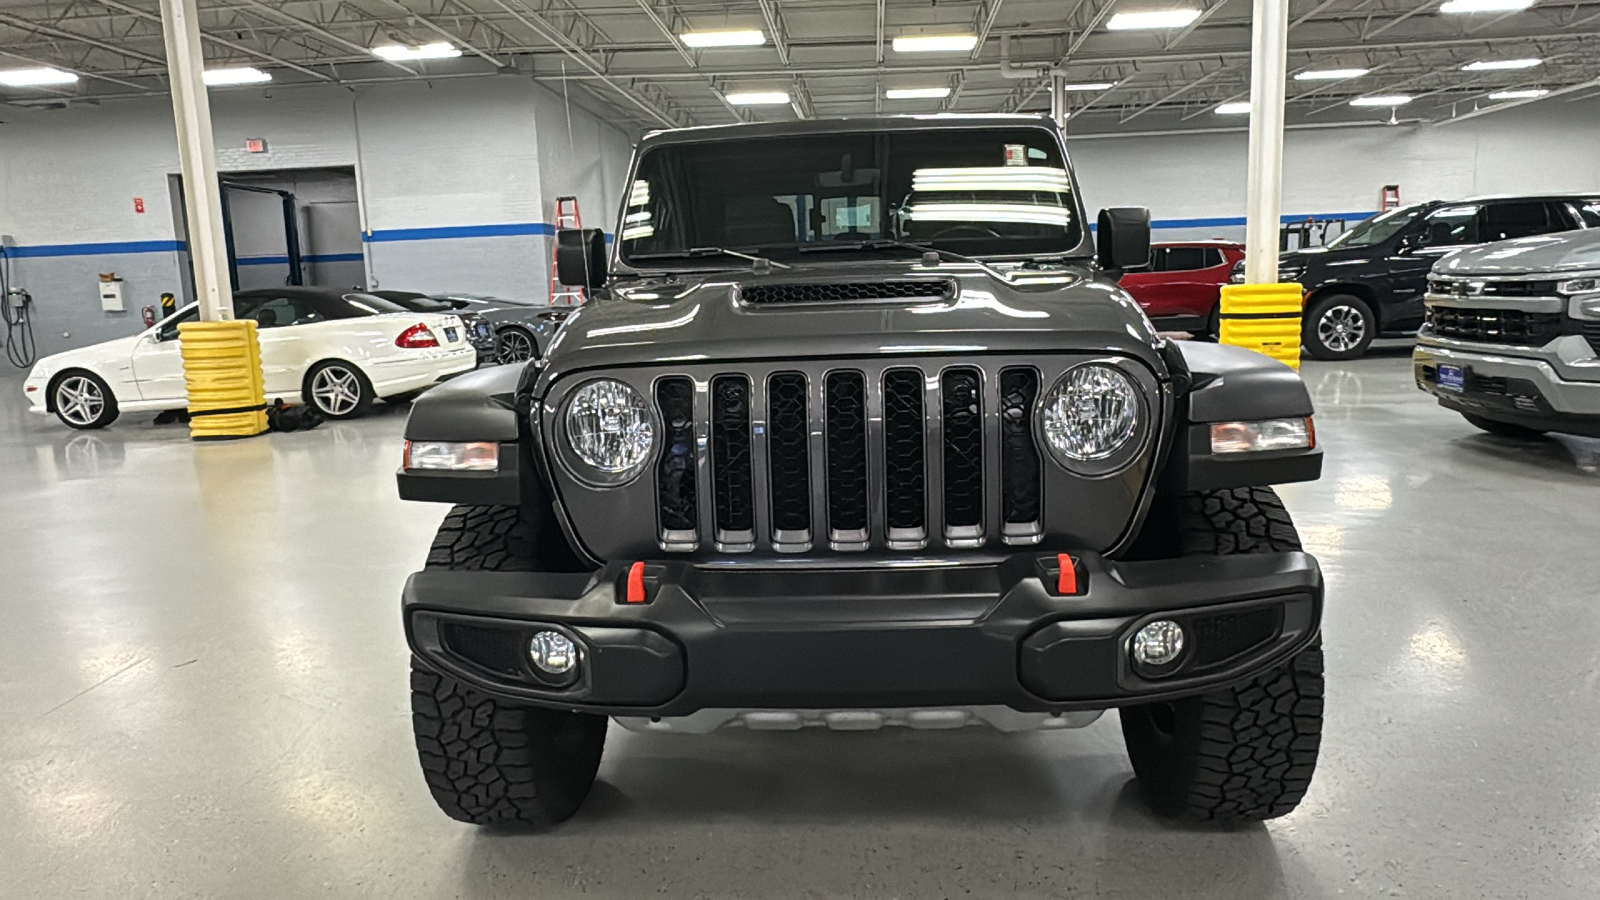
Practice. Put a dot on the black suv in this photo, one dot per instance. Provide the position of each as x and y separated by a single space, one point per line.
857 430
1369 281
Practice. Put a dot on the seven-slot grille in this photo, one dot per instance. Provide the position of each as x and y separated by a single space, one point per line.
846 458
1494 326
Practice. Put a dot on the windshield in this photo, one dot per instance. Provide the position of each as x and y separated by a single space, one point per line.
1377 229
1003 191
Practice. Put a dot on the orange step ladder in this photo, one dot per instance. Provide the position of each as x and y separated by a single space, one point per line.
566 217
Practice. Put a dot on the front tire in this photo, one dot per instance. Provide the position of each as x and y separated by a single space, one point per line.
1245 752
83 400
338 390
1503 429
1339 326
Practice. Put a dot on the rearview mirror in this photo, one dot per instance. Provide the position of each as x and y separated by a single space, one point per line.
581 257
1122 238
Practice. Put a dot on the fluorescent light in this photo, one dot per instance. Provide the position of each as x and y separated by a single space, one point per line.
756 98
1523 94
35 77
1089 86
1236 108
991 178
1329 74
435 50
1492 65
989 212
1477 6
1382 100
740 38
1159 18
934 43
235 75
937 93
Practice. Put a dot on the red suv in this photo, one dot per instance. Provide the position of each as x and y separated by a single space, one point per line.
1181 287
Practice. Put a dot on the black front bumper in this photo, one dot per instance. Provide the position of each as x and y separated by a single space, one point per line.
992 633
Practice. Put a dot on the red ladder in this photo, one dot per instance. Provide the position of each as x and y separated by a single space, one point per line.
566 217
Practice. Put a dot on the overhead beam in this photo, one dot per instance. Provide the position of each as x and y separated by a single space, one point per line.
1513 104
443 32
219 41
1171 96
880 32
775 28
987 15
661 24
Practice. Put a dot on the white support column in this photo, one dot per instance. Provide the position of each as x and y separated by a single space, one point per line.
1058 100
1269 57
198 160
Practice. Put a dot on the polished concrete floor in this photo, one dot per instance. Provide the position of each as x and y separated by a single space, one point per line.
203 694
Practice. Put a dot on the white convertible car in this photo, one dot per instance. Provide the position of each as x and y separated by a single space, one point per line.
336 350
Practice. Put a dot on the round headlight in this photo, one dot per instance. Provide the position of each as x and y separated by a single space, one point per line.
609 428
1091 413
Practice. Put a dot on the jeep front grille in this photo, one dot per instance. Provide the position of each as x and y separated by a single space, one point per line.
1494 326
805 463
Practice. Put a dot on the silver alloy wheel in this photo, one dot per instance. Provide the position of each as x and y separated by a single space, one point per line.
337 390
1341 328
514 345
79 400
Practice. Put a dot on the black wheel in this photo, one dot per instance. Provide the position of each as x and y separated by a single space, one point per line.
338 389
489 762
1504 429
514 345
1338 326
83 400
1245 752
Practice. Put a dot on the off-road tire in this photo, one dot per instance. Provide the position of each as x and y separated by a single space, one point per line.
1503 429
488 762
1246 752
485 538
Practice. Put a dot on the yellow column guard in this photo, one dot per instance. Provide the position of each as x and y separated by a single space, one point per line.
222 369
1264 318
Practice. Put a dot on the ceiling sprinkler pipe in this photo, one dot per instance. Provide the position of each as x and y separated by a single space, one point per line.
1021 71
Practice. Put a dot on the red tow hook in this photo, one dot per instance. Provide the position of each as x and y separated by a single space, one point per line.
1067 580
635 591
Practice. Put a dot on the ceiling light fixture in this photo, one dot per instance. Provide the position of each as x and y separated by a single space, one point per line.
1329 74
934 43
746 37
756 98
1494 65
1382 100
1477 6
401 53
35 77
1523 94
1089 86
1236 108
235 75
929 93
1160 18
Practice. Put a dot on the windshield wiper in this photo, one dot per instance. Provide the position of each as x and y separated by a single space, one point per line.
759 263
891 243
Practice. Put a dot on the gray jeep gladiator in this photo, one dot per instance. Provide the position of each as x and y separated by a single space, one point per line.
856 429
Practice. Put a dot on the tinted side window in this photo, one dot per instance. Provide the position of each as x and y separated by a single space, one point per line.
1503 221
1589 212
1185 259
1213 257
1451 226
1158 260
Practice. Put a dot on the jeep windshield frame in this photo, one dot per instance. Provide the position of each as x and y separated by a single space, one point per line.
1002 191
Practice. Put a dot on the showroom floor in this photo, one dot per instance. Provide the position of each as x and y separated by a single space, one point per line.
203 694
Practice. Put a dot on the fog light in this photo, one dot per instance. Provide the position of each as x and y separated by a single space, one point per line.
1158 644
553 652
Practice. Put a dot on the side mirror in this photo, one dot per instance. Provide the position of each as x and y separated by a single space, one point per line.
1122 238
581 257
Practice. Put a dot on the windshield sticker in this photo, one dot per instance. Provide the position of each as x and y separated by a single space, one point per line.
1016 155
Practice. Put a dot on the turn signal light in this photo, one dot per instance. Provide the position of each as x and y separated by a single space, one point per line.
1268 434
416 337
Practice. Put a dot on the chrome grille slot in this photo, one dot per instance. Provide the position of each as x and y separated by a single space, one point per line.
1019 458
677 501
731 463
789 462
905 459
962 456
846 428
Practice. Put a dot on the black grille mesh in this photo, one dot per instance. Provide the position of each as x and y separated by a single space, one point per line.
1019 456
788 455
847 451
1591 333
675 473
1494 326
843 292
903 463
963 448
730 452
1495 288
1222 637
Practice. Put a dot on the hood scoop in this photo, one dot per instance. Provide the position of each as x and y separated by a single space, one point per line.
892 290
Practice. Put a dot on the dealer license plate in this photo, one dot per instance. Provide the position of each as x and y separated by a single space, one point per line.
1451 378
450 335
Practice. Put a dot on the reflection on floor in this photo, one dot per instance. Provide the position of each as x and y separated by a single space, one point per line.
204 695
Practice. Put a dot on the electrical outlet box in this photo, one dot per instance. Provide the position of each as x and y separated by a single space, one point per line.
111 296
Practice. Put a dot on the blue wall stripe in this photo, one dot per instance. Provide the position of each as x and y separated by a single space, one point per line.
449 232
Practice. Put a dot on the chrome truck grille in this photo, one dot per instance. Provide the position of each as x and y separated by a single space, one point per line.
885 456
